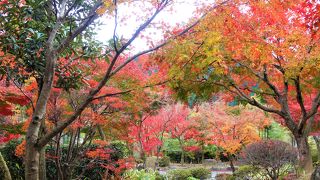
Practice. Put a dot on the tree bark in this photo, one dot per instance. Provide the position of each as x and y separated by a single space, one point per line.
182 157
305 160
231 163
42 165
202 153
4 168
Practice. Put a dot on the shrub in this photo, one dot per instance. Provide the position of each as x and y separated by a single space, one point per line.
200 173
246 172
180 174
223 176
192 178
159 176
138 175
164 161
273 158
14 163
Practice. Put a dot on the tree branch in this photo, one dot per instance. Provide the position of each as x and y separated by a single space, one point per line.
91 17
130 90
109 73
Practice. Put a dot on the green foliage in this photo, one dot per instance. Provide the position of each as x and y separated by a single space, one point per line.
192 178
193 173
160 177
143 174
26 30
313 150
173 151
14 163
180 174
120 150
164 161
200 172
245 172
278 132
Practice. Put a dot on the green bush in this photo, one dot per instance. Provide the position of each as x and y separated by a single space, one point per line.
192 174
164 161
159 176
200 173
14 163
192 178
180 174
245 172
135 174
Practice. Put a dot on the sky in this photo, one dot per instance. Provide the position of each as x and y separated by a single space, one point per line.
183 11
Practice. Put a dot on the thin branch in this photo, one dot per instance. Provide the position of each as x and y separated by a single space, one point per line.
91 17
115 26
130 90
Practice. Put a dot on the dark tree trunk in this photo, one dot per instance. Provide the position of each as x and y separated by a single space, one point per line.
305 160
182 157
231 163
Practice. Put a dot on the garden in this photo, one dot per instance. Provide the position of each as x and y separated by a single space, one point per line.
159 90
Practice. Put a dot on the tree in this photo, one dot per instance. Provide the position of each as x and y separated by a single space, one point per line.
260 52
233 127
270 157
39 34
180 129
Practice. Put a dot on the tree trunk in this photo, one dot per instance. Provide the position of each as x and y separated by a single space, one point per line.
305 160
202 154
67 172
182 157
316 173
32 162
157 160
231 163
317 140
42 165
182 151
4 168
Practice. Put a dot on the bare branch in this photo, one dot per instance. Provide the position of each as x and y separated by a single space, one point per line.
130 90
91 17
115 26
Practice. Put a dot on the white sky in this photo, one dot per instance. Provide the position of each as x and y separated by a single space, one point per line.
183 11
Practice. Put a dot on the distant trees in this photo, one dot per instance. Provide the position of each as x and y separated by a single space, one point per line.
263 53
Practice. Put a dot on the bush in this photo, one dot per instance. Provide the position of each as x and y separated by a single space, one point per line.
138 175
159 176
14 163
200 173
180 174
192 178
223 176
245 172
164 161
270 156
